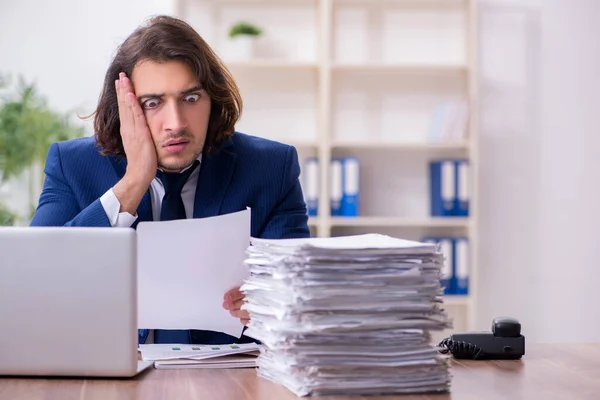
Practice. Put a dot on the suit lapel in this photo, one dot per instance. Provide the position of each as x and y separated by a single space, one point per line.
144 210
214 177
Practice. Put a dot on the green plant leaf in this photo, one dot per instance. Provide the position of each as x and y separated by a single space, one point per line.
7 217
244 28
28 127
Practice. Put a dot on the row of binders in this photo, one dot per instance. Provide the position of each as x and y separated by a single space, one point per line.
455 270
345 179
448 178
449 188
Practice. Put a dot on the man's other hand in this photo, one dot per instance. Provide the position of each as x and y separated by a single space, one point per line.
233 301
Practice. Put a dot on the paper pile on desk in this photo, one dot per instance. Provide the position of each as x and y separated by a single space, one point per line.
170 356
347 316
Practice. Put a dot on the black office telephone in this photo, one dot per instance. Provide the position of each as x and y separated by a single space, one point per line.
504 342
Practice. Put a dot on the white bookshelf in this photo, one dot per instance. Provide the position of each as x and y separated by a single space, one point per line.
361 77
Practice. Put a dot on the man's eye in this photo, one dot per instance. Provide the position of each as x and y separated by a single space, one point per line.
192 98
150 104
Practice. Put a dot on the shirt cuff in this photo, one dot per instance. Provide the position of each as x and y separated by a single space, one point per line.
111 206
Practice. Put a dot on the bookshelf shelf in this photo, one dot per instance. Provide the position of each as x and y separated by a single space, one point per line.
392 146
406 3
439 69
260 2
272 64
391 222
374 222
384 81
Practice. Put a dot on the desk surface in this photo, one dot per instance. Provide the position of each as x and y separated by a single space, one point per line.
546 372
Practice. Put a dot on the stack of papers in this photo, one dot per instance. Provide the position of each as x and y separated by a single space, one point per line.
347 315
169 356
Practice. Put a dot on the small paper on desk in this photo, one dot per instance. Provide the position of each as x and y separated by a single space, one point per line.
232 361
162 352
186 266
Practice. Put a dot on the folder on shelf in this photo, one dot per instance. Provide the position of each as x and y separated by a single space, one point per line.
336 189
448 270
439 120
351 186
443 188
449 121
461 275
462 183
446 245
311 185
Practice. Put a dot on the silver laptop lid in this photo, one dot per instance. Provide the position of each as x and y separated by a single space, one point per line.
68 301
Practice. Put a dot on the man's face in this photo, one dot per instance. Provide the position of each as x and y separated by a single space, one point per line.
177 111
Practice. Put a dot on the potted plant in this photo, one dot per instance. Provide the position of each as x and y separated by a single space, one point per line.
27 129
7 217
243 36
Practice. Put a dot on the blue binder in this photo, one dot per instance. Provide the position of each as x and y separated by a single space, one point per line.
351 187
311 185
462 188
461 276
448 269
443 188
336 190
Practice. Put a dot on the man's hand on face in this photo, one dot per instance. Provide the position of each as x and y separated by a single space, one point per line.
137 139
233 301
139 148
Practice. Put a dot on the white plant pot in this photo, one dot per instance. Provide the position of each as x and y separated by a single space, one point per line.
242 48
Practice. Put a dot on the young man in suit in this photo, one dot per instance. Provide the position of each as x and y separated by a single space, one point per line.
165 148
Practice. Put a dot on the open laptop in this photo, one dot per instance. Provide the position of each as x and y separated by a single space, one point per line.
68 302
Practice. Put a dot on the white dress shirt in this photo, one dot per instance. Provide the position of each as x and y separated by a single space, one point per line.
112 206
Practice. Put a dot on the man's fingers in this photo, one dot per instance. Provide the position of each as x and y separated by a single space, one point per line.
139 119
236 305
124 89
241 314
245 321
121 102
233 295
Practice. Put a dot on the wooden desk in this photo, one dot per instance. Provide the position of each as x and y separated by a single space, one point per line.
547 372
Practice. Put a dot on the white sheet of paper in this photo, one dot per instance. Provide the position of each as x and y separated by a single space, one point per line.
155 352
350 242
186 266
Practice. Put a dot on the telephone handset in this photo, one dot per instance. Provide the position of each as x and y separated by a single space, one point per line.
504 342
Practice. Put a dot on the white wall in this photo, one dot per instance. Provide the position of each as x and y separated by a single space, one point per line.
540 141
65 47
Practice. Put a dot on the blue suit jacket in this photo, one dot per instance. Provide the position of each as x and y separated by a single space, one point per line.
246 172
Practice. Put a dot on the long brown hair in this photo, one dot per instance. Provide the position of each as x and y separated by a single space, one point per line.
163 39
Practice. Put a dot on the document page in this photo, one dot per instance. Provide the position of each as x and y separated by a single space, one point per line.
186 266
161 352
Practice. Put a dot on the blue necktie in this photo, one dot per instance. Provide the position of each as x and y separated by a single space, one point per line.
172 207
172 204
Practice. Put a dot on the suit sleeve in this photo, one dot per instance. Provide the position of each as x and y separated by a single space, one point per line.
289 218
58 205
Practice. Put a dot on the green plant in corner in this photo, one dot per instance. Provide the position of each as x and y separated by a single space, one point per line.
7 217
244 28
27 129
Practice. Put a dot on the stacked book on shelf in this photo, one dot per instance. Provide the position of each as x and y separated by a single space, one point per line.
449 187
349 315
449 122
345 184
456 269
